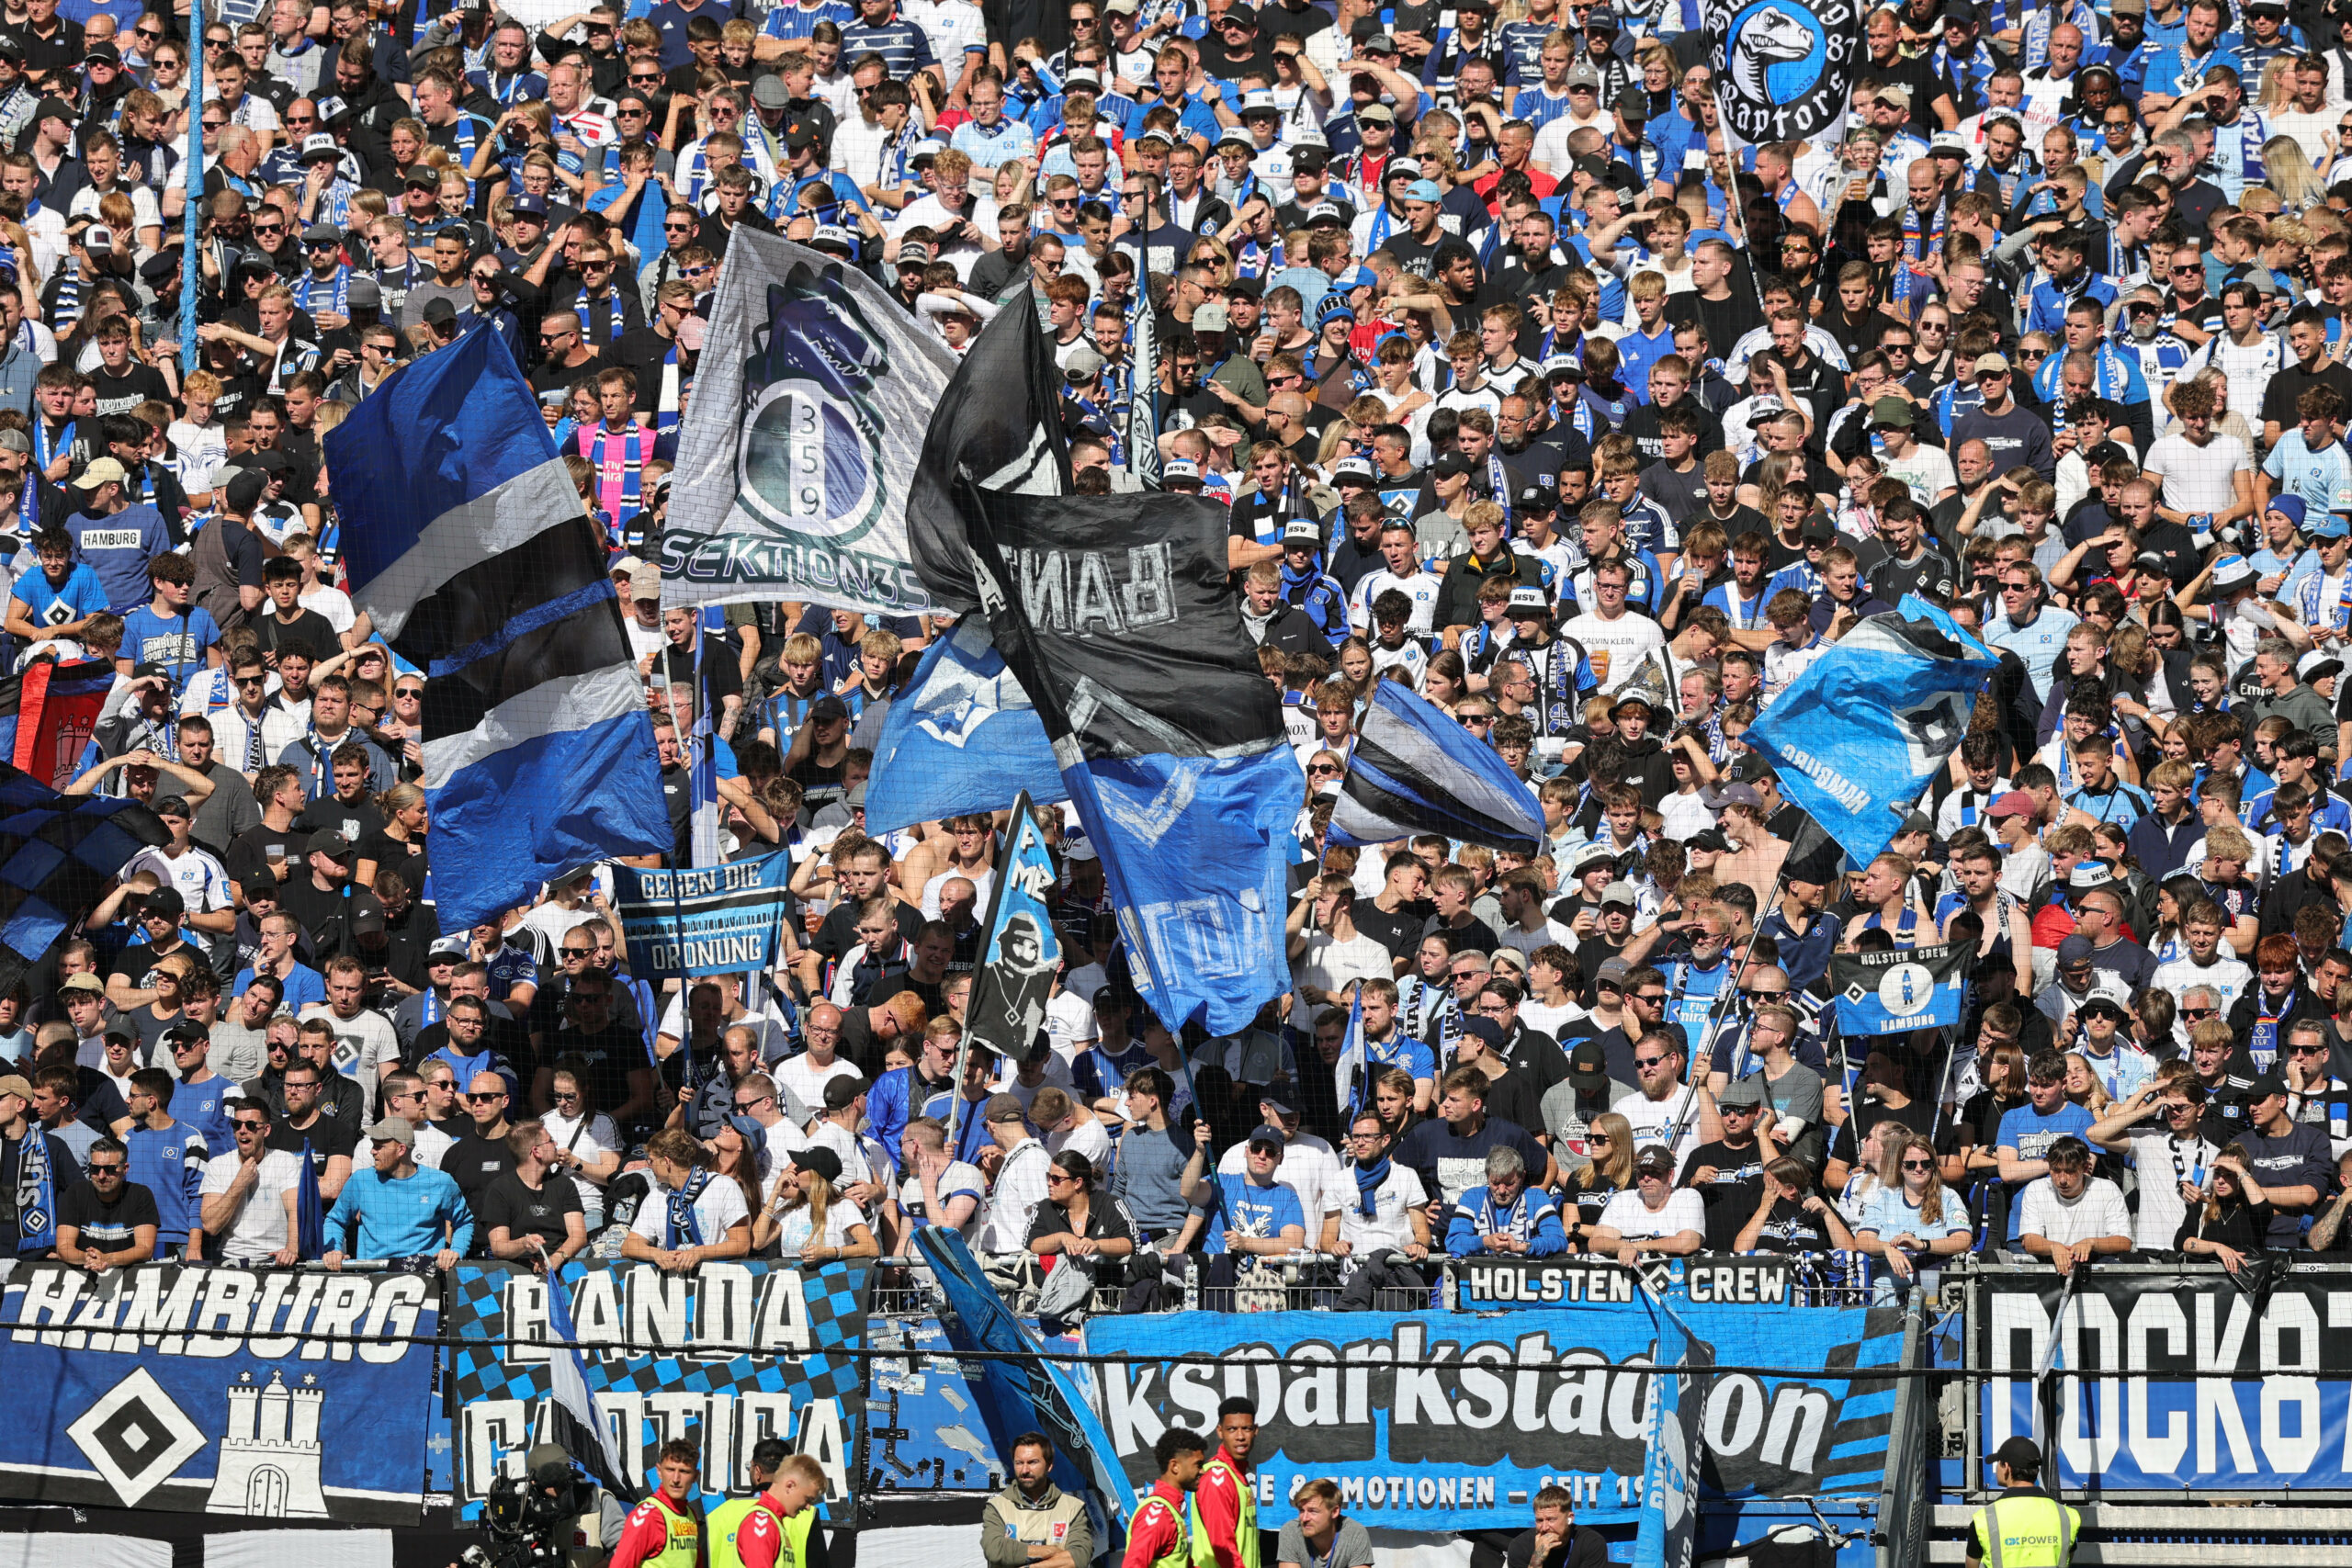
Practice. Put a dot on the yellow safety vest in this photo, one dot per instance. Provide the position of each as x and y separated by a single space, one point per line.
2027 1529
1179 1555
1244 1531
682 1548
728 1517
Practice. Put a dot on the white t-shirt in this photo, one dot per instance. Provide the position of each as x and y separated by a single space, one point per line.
721 1206
259 1228
958 1179
1630 1217
1089 1138
591 1142
2163 1165
2099 1212
1388 1224
1654 1121
334 604
806 1081
1616 646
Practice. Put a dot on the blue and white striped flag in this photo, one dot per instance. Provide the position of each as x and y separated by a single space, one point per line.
468 546
572 1418
1416 770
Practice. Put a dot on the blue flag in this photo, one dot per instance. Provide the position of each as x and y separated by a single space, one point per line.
310 1210
1669 1532
963 737
1867 726
467 546
1346 1084
1414 771
1027 1392
58 855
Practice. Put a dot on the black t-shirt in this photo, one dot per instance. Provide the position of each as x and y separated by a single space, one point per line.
1399 932
611 1055
473 1163
110 1227
327 1137
1731 1196
357 820
317 911
1476 934
309 628
1585 1548
507 1202
135 384
839 933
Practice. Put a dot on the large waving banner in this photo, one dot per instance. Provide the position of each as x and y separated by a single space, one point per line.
721 920
1516 1403
809 408
192 1389
730 1355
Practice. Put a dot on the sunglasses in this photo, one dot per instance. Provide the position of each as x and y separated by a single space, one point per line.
578 952
106 1169
1918 1165
244 1126
491 1098
1645 1063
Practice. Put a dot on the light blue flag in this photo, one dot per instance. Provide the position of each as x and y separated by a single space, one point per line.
963 737
1866 728
470 549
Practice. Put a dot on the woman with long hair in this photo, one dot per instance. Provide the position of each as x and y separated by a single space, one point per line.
2289 173
2083 1086
808 1218
1914 1222
1607 1168
2233 1219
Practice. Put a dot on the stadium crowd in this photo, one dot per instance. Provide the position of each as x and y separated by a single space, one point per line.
1521 389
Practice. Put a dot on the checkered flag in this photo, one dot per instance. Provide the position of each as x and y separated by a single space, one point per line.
57 854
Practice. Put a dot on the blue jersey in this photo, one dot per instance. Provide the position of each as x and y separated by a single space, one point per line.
205 1107
1258 1212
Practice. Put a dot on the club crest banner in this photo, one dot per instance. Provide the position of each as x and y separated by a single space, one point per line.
809 408
190 1388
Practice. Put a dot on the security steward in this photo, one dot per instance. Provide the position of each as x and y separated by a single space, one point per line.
1033 1521
2025 1527
775 1527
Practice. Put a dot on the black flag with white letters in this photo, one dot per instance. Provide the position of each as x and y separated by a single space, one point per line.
998 427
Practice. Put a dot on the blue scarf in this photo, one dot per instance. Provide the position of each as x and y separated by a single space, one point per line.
614 324
337 290
683 1229
36 1195
1368 1180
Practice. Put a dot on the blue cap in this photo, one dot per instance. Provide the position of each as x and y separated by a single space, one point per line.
1363 278
530 204
1423 190
2331 526
1332 308
2290 506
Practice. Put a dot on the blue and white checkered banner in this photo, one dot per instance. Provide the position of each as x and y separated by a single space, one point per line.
194 1390
1901 989
732 1354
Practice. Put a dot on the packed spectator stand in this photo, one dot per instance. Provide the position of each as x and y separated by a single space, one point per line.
1513 399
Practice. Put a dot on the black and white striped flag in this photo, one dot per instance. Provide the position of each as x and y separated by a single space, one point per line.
1416 770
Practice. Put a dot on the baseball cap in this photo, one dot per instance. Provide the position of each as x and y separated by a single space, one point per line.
2013 803
1302 530
319 144
530 204
2331 526
327 842
1656 1159
1264 1137
1377 114
106 470
1527 601
1618 892
2075 951
1180 470
2266 1085
1582 75
1450 466
1424 190
424 175
1990 364
1894 411
1005 1108
1588 1065
1538 499
828 709
393 1129
82 983
1595 854
843 1090
826 1163
367 913
1356 469
2019 1453
1612 973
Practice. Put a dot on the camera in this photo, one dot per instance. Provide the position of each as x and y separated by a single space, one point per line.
529 1518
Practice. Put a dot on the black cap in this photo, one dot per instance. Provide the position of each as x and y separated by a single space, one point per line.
1588 1065
822 1160
246 491
2266 1084
1537 499
843 1090
1485 1030
366 914
828 709
439 311
2019 1454
1450 465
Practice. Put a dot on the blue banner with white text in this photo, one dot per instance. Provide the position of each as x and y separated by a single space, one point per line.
195 1390
1507 1404
722 920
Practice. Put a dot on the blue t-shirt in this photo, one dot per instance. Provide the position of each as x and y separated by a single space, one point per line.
120 548
55 604
304 986
176 642
1259 1213
2031 1132
205 1107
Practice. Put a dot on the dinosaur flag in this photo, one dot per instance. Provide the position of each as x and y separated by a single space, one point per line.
1783 70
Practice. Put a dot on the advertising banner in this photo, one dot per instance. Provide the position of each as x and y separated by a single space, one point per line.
731 1354
2268 1414
1510 1404
190 1388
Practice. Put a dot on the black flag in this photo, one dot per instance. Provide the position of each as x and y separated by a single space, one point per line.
998 427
